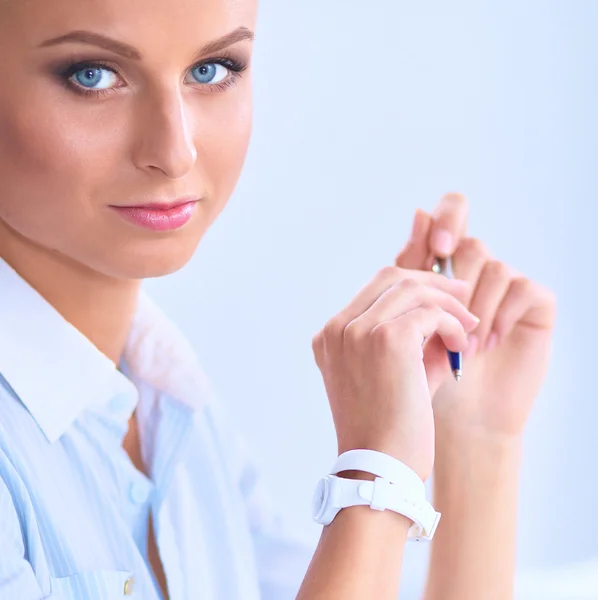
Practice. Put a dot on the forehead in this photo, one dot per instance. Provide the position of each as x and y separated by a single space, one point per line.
155 25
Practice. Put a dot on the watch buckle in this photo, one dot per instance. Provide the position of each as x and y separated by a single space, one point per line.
426 536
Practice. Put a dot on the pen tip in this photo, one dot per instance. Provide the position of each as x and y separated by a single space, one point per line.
457 374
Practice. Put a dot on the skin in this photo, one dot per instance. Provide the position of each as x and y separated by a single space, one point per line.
479 422
470 431
64 158
157 134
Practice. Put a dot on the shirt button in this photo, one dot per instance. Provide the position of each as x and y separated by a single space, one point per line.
129 585
138 493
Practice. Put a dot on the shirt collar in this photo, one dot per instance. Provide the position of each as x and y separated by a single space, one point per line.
57 372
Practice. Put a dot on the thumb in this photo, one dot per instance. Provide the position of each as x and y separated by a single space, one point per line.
415 253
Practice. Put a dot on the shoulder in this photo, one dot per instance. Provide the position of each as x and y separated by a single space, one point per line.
159 354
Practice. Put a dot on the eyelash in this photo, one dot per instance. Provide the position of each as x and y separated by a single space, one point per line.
235 67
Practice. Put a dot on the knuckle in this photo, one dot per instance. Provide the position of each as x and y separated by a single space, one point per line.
521 286
317 341
497 269
318 348
352 334
389 273
409 285
472 247
383 335
333 329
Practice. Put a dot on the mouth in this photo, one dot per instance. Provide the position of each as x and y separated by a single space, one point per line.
161 215
160 204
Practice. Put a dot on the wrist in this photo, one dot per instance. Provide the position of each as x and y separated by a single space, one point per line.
357 475
470 440
364 476
470 466
420 461
476 482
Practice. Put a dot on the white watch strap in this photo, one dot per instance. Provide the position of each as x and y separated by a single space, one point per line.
381 465
381 494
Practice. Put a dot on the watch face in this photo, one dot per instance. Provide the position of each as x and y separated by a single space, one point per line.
319 499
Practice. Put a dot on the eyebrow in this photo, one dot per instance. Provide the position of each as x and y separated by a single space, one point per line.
97 39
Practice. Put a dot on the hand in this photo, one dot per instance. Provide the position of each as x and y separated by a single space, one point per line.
509 351
370 356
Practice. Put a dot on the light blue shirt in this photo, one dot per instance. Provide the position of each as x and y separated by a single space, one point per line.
73 507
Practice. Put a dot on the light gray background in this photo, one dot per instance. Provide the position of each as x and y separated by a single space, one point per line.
363 112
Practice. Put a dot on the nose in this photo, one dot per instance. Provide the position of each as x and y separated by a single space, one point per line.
165 136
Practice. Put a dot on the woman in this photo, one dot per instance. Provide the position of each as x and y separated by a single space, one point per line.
119 473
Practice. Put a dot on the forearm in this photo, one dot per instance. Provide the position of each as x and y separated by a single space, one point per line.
359 556
476 490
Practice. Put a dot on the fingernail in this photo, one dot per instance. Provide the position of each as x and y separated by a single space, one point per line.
472 346
492 341
442 242
474 323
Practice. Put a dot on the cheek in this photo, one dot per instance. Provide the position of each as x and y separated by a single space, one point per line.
45 158
52 162
222 151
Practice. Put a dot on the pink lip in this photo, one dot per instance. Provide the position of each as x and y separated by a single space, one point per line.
160 216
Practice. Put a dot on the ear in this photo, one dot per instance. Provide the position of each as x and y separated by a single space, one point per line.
416 253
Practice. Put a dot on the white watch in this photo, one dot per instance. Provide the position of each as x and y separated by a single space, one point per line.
334 493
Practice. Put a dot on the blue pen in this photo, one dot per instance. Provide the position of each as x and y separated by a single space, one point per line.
444 266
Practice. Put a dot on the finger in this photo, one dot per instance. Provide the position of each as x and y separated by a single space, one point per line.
450 224
422 322
386 278
416 250
525 302
468 262
438 368
491 288
405 296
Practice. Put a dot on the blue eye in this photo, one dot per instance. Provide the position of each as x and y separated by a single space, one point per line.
209 73
96 78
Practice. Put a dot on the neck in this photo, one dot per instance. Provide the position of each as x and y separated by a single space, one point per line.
99 306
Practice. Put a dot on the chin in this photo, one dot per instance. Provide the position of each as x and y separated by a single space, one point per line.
144 260
148 271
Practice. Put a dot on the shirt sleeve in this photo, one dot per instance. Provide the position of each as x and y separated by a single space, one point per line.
17 578
282 557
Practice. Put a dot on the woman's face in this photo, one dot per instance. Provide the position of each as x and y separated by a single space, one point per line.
129 108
